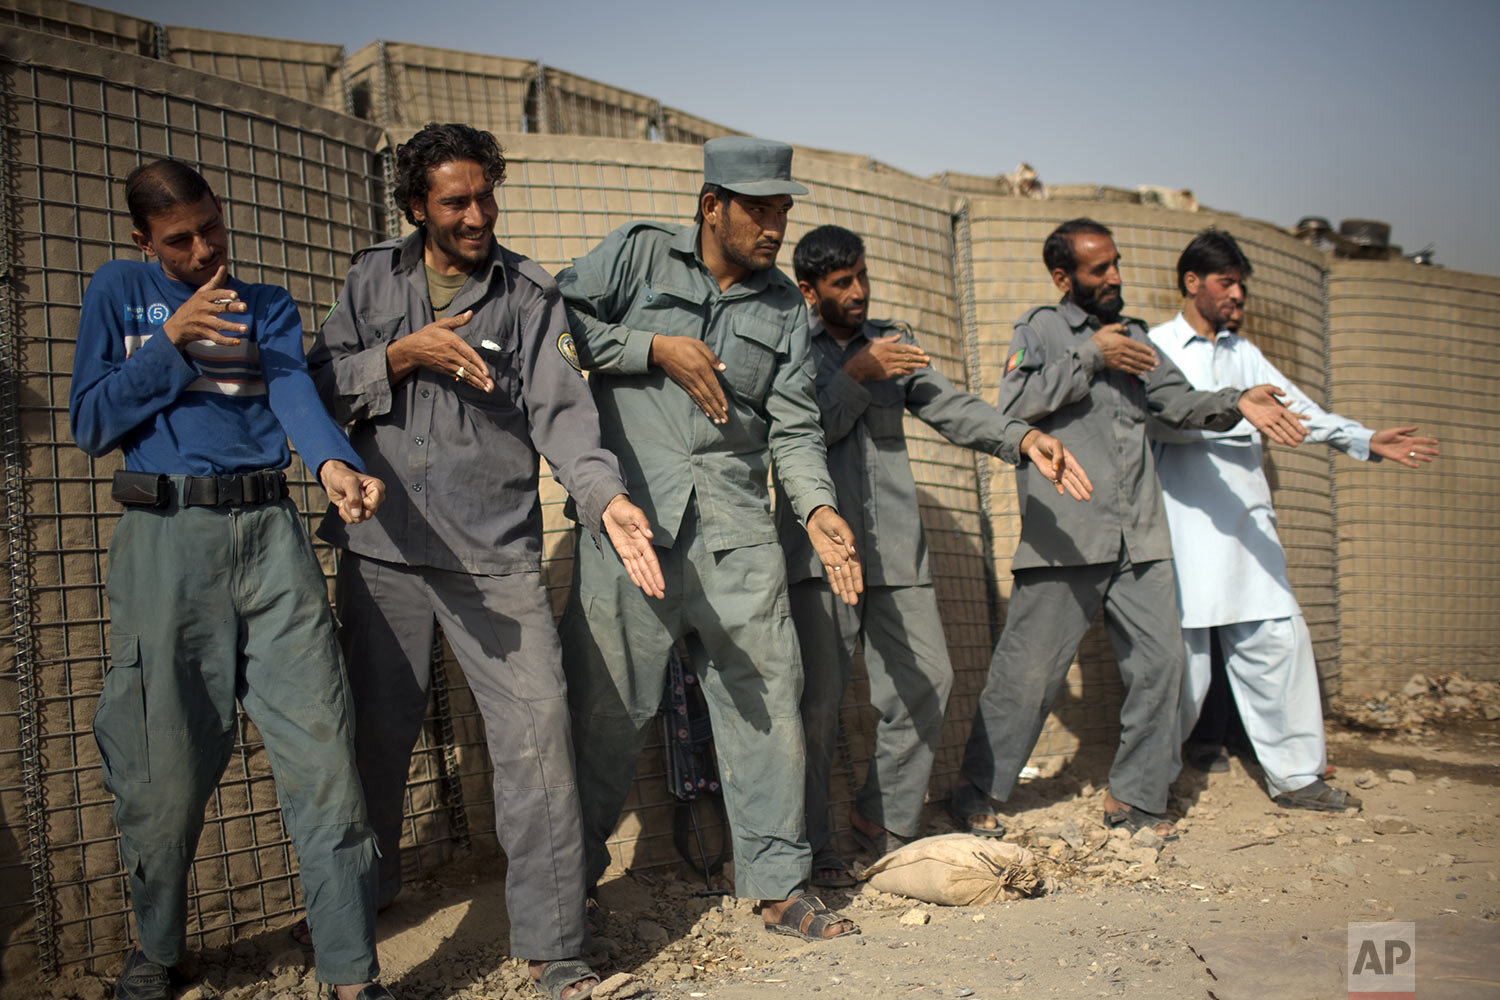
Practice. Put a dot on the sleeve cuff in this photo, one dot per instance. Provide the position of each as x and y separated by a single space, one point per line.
812 500
1092 357
843 388
366 376
178 373
636 358
1359 445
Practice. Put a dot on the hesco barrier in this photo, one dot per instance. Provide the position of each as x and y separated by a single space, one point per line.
1284 318
1419 553
91 25
307 71
305 187
301 190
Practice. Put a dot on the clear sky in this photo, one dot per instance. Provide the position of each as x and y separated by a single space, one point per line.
1274 109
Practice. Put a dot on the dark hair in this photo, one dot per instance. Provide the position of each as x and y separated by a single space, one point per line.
1212 251
1057 252
721 193
160 186
436 145
825 250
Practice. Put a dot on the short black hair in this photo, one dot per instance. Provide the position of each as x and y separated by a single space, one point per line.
1212 251
720 192
160 186
825 250
436 145
1057 252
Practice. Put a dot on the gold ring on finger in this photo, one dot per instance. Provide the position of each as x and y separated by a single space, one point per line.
458 376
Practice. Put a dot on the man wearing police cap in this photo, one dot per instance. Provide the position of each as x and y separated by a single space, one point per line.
698 348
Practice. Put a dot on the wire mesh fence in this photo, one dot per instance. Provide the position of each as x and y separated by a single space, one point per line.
1419 553
301 193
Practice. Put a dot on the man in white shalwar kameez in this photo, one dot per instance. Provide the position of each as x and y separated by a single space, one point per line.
1231 570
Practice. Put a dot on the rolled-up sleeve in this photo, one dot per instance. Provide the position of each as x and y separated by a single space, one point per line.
351 374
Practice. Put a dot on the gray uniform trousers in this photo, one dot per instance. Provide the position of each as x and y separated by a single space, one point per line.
906 657
501 631
206 606
1050 610
615 644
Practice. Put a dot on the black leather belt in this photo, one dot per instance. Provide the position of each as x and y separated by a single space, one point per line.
147 489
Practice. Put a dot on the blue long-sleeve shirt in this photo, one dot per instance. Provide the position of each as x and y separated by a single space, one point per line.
207 409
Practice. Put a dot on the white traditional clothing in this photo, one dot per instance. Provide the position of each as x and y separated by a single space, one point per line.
1231 570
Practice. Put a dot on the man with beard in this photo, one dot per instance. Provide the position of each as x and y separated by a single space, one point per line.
450 356
1081 371
697 346
1231 570
869 374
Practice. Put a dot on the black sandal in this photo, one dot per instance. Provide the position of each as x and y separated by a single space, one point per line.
807 918
1136 820
1319 795
965 803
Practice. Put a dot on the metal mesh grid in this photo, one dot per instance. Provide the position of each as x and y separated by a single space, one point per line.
298 202
1285 320
307 71
82 23
1420 578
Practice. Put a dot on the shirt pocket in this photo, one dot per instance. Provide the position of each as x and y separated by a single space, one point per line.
120 718
749 356
379 329
884 416
497 348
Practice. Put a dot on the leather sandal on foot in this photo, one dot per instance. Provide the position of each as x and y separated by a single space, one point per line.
1135 820
561 973
966 803
1319 795
807 918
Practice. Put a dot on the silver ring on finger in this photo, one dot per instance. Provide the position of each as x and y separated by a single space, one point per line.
1411 454
458 376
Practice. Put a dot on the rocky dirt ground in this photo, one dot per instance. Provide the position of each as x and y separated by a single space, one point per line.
1118 917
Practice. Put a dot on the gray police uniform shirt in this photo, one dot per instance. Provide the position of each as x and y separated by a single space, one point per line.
647 278
1055 379
867 457
460 465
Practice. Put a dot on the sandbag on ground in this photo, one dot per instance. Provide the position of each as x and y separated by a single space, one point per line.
957 869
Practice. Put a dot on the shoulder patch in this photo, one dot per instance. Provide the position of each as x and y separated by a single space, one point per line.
1015 360
568 349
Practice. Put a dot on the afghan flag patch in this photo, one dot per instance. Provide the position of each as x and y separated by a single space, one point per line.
1015 361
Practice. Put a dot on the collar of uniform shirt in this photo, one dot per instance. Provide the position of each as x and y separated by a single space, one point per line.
685 244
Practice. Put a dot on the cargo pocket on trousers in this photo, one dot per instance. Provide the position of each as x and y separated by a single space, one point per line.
120 719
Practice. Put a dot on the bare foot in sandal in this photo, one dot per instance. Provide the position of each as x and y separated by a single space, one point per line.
563 978
805 916
1117 813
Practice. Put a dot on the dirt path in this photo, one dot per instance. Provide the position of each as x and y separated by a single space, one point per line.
1116 920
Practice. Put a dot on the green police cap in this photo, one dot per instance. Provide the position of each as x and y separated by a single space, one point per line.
755 167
